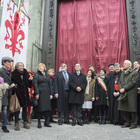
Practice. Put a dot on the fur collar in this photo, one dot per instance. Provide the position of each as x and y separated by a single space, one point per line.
4 86
17 76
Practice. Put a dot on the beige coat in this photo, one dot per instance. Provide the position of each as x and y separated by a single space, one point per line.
3 88
88 97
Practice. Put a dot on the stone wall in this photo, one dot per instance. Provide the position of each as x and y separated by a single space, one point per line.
133 19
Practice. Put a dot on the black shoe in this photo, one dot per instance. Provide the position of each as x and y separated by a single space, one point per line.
39 125
80 123
60 123
73 123
47 124
5 130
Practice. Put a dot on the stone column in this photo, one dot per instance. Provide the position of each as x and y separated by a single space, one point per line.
50 33
34 9
133 19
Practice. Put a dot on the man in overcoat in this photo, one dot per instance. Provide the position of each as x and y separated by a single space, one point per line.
61 88
78 84
137 68
128 95
5 73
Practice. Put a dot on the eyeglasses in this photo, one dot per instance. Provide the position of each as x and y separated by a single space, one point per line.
63 66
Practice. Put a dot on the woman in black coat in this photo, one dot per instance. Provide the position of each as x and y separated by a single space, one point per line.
42 91
51 73
101 96
21 78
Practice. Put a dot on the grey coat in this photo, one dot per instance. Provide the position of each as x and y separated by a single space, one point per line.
128 81
6 75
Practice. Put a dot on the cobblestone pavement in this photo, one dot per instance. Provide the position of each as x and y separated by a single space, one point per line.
93 131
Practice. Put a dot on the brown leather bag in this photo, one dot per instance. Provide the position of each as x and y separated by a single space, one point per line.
14 105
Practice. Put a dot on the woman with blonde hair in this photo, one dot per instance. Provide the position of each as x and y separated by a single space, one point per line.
51 73
42 91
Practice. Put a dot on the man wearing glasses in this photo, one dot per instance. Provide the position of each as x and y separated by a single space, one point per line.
61 87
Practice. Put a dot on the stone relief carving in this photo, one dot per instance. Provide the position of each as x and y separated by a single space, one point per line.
50 34
134 27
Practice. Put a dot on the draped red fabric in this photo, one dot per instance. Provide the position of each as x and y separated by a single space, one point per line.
91 32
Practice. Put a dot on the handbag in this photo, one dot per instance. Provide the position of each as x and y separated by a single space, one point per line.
14 105
34 101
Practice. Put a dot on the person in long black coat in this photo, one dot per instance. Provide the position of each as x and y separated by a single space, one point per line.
21 78
78 84
101 96
42 90
114 115
61 88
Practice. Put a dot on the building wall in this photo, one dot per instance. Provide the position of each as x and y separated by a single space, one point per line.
34 9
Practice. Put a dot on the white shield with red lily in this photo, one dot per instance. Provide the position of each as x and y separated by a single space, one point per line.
13 33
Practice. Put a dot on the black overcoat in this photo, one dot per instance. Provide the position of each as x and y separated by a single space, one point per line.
77 81
101 93
6 75
59 87
22 82
113 114
42 86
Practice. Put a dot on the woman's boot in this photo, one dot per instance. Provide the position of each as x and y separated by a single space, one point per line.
47 119
29 118
104 117
39 124
46 123
26 126
88 117
83 115
17 128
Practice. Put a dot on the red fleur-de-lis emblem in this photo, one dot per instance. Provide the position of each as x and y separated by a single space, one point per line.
14 33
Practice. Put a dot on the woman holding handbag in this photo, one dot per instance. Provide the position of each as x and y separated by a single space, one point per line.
21 78
42 91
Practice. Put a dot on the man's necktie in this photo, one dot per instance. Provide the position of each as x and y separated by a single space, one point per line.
66 79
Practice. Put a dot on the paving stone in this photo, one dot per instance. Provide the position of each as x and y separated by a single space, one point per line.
93 131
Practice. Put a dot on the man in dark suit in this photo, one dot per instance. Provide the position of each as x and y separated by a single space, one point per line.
78 84
5 73
61 87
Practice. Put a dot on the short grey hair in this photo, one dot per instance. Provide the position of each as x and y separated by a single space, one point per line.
128 62
16 65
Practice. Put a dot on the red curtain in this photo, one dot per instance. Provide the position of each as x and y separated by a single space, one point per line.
91 32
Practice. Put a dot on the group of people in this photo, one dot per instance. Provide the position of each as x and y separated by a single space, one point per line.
114 96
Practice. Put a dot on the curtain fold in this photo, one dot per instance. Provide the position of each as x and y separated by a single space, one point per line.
91 32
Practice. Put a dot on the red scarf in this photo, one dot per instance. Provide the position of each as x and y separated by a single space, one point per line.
51 76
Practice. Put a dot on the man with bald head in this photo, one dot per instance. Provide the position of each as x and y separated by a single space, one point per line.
78 84
128 95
